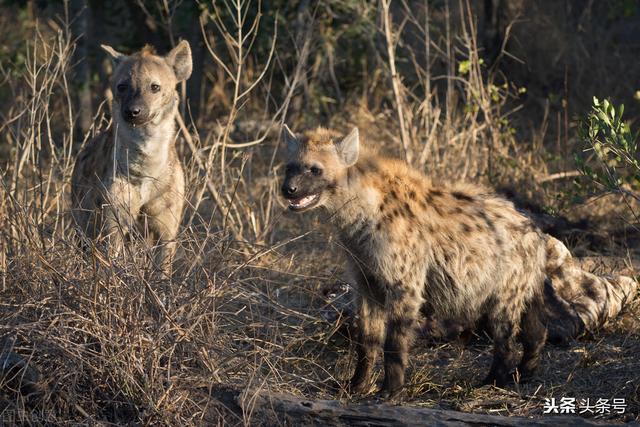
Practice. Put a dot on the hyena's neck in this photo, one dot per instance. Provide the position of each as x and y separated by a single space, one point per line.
145 151
384 196
355 202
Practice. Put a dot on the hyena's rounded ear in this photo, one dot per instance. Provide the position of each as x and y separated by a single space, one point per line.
180 60
116 57
292 143
349 148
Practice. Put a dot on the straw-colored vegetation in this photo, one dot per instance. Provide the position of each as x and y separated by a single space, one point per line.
251 303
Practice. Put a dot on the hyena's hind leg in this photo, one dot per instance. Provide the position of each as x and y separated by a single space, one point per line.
371 329
504 332
504 325
533 332
533 335
516 316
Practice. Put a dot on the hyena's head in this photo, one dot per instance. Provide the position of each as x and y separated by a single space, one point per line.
316 164
144 84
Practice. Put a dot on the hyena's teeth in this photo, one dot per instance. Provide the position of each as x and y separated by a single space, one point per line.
304 202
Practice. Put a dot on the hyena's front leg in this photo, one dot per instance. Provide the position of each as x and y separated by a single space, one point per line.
164 221
119 212
371 327
403 308
113 231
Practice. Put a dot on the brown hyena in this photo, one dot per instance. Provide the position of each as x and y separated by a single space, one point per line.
130 174
459 250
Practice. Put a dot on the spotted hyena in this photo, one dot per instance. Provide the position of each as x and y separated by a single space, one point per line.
458 250
130 174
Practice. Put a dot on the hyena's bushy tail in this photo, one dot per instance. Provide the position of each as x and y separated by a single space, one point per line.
577 301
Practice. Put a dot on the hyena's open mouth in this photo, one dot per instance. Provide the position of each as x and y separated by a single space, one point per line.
303 202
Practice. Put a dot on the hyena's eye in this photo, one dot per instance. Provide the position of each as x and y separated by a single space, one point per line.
316 170
121 87
155 87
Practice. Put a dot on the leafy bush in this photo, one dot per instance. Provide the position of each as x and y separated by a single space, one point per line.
613 163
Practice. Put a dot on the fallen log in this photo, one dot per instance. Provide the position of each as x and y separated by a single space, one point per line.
263 408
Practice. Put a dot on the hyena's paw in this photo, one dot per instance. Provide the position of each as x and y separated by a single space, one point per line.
358 386
393 389
500 381
392 396
526 371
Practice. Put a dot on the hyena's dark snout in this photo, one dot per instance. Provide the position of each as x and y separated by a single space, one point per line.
290 187
135 113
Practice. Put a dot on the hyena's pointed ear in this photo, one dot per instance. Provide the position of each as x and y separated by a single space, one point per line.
349 148
116 57
292 143
180 60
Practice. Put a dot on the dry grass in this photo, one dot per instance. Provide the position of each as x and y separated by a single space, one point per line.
105 340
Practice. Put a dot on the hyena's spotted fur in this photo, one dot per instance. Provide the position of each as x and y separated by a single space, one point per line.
461 251
577 301
130 174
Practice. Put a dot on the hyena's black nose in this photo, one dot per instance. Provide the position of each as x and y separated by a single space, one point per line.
132 112
289 189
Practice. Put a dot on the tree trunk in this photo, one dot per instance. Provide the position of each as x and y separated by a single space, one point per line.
263 408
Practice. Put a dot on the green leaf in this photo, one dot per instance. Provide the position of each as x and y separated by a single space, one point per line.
464 67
